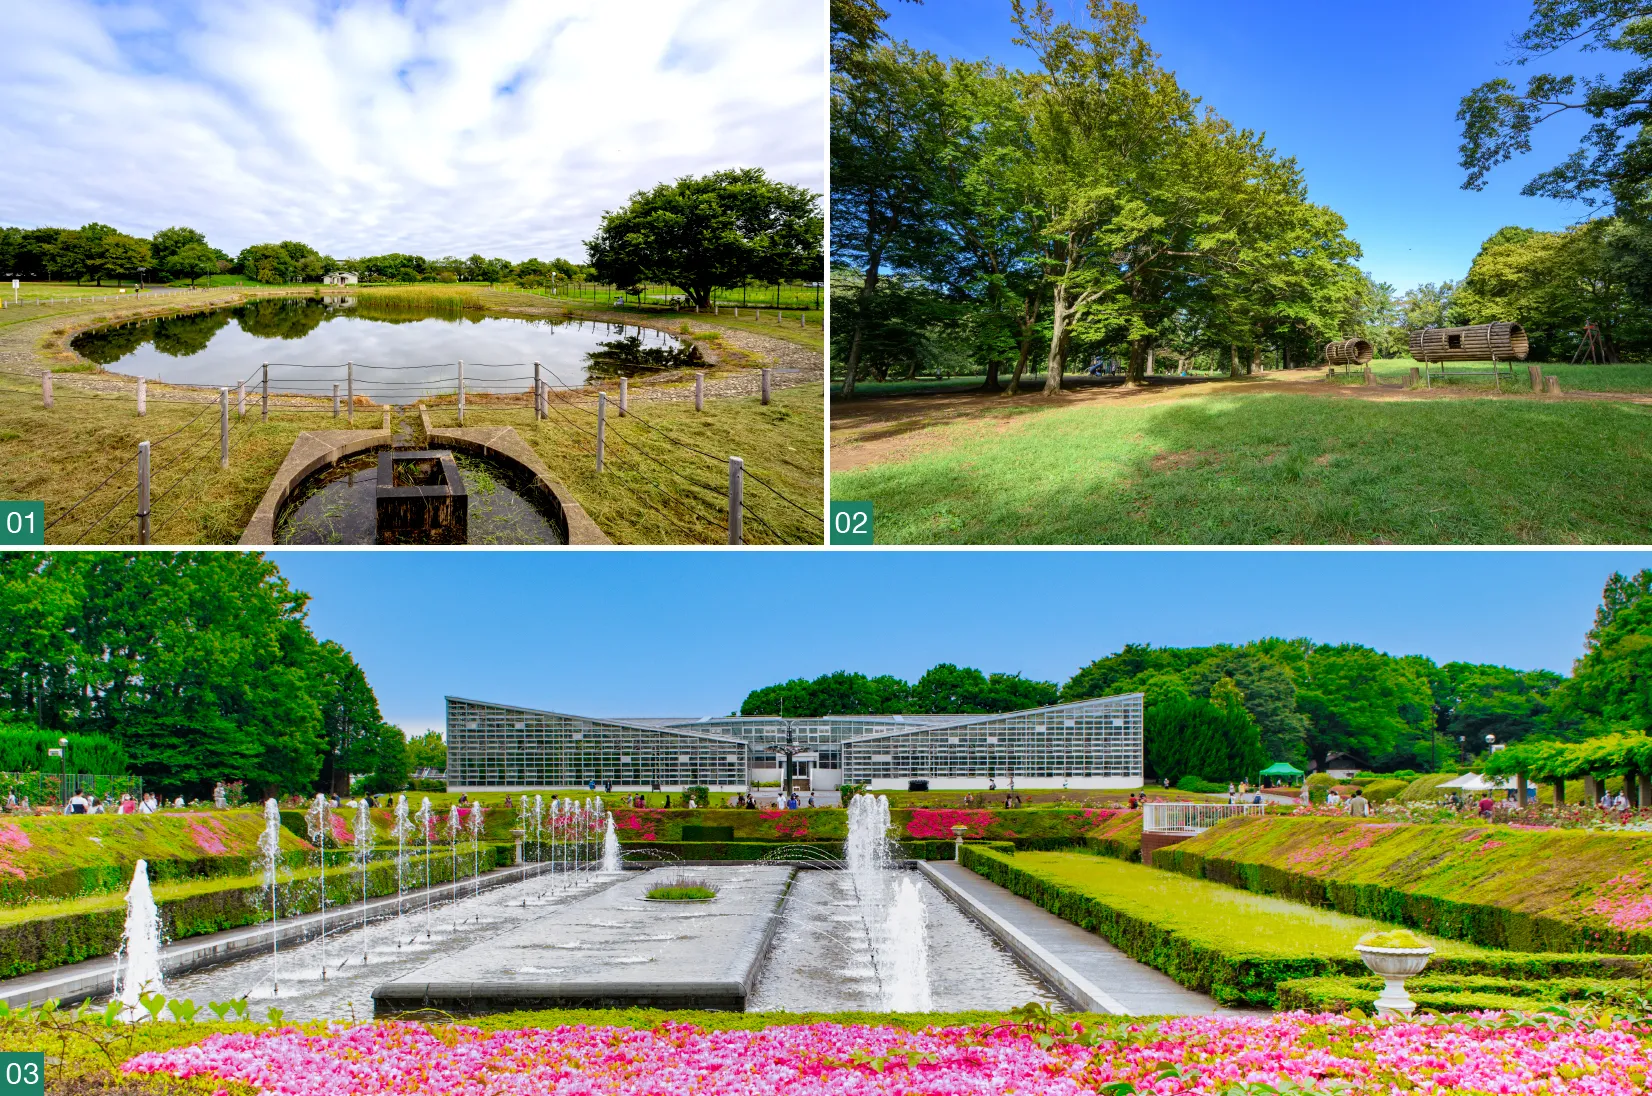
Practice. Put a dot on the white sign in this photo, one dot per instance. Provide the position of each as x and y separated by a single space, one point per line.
54 752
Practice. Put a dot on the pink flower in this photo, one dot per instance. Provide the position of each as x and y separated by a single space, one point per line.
206 840
933 823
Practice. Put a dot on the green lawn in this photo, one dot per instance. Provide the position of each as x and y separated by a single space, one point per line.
1622 377
1273 468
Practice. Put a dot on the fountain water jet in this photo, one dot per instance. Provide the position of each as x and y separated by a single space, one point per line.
140 944
364 856
476 847
610 848
453 860
424 828
891 910
269 847
402 825
315 820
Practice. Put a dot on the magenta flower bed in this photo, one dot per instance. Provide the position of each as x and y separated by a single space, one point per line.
1186 1055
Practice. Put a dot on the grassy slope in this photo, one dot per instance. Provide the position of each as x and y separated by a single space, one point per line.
1237 921
810 334
1553 874
40 845
643 497
1275 468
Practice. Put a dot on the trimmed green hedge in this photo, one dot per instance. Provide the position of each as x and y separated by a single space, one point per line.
1499 886
53 941
1454 993
756 850
1234 947
1118 837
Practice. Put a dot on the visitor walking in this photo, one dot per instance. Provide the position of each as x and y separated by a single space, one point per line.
149 804
1358 807
1332 799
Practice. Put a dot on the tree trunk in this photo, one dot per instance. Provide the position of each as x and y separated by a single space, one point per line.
1559 792
1141 357
1060 334
866 290
1029 322
992 383
1233 360
1256 359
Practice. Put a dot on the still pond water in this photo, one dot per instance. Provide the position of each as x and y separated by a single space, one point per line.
401 353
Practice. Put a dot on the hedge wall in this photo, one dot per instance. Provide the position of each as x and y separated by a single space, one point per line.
1499 886
1457 993
1159 931
756 850
53 941
1118 837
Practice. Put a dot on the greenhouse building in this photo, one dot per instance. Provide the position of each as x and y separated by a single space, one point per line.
1087 744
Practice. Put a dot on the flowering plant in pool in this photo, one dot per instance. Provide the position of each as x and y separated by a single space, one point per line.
1488 1053
683 890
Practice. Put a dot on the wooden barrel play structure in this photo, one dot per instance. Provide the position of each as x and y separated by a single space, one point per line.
1494 342
1348 352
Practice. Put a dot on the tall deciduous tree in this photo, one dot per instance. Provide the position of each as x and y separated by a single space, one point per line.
1611 685
714 232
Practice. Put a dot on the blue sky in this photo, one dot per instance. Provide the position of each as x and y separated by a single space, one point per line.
690 633
1363 94
368 126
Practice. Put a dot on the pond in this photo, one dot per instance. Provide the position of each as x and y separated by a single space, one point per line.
402 351
338 505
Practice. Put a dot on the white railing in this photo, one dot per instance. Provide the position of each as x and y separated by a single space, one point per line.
1191 817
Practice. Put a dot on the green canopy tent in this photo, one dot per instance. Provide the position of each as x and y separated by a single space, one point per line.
1283 769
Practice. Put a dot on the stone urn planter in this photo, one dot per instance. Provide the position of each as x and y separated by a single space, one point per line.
1394 965
958 842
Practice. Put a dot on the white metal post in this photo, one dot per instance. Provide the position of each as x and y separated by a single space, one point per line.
461 391
143 492
699 391
736 499
625 391
538 394
143 397
602 417
241 400
350 392
46 390
335 400
223 428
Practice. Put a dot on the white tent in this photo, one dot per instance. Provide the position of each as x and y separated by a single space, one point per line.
1474 782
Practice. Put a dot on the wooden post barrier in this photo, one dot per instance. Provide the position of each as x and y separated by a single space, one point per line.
736 499
699 391
266 391
241 400
143 397
625 391
223 428
350 392
143 492
538 395
461 391
1552 385
335 399
765 387
1535 372
602 422
46 389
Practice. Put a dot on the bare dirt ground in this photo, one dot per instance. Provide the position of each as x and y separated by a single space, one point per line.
880 430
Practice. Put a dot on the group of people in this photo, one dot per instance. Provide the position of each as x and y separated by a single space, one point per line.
1356 805
81 803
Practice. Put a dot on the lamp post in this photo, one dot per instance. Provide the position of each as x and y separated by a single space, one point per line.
63 770
1462 749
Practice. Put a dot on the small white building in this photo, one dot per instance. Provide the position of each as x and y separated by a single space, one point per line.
340 277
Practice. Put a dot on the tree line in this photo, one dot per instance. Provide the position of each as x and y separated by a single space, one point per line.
1088 209
1221 711
720 231
198 665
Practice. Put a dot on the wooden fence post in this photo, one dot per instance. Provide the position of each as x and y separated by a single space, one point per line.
699 391
143 397
143 492
765 387
223 428
46 389
602 424
266 391
736 500
461 391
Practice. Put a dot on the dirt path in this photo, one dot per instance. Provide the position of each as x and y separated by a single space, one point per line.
880 430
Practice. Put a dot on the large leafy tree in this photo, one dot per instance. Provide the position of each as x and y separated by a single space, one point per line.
1611 685
1362 703
170 241
1612 164
1214 740
944 688
712 232
199 664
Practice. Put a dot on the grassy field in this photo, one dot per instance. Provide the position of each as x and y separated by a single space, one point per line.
810 334
1271 468
1627 377
643 498
653 491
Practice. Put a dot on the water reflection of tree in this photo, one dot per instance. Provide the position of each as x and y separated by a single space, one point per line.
108 347
391 310
181 336
282 319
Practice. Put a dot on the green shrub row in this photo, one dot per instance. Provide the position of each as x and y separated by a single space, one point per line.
1472 993
1165 936
1118 837
1496 886
46 942
107 878
757 850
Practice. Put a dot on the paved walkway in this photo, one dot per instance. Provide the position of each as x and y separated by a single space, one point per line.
1140 989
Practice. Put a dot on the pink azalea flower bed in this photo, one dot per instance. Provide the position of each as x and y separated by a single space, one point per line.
1207 1054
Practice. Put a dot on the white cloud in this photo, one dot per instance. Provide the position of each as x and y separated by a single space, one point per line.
504 128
